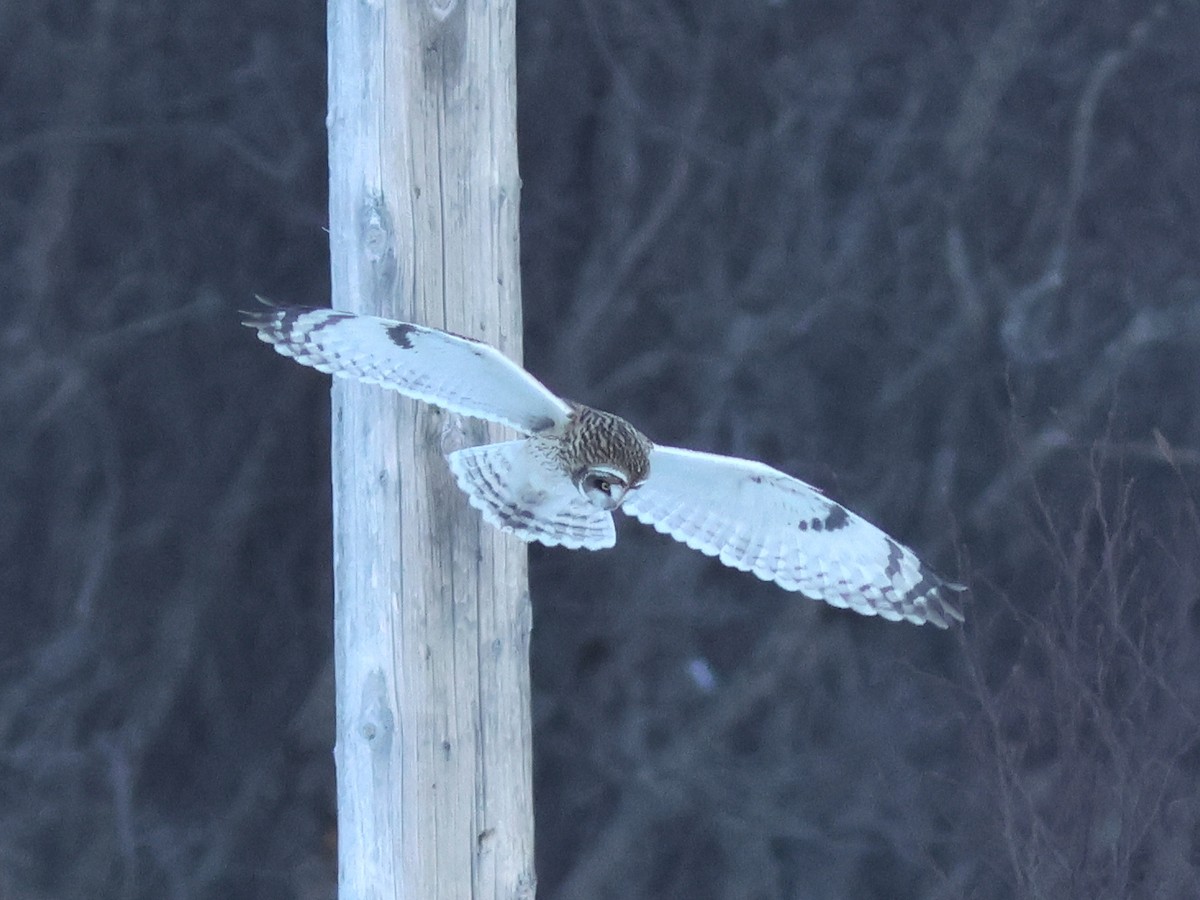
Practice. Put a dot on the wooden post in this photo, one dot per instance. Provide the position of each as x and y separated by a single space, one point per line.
432 606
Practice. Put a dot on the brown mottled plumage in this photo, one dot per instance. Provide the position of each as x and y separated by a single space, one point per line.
597 438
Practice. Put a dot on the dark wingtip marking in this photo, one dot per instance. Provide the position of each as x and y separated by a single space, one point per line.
399 335
930 595
331 318
541 423
895 558
837 518
937 610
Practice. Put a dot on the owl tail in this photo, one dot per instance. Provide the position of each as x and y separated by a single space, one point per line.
523 491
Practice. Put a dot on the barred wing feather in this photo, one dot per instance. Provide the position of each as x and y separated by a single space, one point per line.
519 488
757 519
453 372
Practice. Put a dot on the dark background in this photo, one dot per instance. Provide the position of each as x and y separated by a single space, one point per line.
940 258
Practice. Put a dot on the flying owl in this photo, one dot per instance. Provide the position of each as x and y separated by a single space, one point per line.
560 484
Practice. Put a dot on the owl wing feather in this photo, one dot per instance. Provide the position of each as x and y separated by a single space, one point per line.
453 372
520 488
757 519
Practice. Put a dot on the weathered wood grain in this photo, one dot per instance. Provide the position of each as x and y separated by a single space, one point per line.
432 606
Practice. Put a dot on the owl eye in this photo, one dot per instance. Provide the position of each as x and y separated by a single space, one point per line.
603 487
601 483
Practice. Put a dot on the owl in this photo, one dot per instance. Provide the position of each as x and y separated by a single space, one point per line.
561 482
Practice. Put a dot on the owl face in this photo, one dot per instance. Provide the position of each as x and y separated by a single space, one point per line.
603 486
606 456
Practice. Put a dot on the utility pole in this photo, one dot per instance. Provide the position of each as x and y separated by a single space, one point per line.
431 605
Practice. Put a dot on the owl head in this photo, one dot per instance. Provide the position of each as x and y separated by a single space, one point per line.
603 486
606 456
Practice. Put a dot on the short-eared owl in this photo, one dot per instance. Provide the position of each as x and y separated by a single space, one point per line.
560 483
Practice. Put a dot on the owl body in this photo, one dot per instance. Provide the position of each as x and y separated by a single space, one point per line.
560 484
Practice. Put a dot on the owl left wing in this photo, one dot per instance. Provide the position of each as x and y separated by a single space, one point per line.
447 370
757 519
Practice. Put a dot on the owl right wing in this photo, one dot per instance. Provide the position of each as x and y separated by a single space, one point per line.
453 372
757 519
521 488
